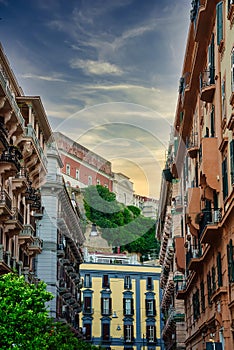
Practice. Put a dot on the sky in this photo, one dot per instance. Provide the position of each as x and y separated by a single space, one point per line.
107 72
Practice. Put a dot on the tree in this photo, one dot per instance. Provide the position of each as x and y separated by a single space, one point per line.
24 321
121 225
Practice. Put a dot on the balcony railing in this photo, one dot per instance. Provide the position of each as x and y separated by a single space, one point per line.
30 132
11 155
209 224
192 145
207 84
5 200
11 97
17 216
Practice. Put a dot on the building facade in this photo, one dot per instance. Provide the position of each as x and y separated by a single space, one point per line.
121 306
201 166
59 263
123 188
24 132
83 167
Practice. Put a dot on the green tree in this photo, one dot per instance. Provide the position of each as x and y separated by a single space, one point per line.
24 321
120 225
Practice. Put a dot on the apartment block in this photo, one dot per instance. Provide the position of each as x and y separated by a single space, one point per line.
201 163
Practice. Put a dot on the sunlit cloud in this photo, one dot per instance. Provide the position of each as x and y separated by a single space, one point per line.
96 67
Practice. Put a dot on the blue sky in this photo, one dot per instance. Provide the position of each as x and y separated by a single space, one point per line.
107 72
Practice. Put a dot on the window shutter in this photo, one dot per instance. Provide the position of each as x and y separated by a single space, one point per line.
132 335
106 331
87 331
211 64
225 178
232 68
147 332
232 160
125 332
102 305
132 307
154 307
219 11
202 296
219 270
110 306
213 279
124 306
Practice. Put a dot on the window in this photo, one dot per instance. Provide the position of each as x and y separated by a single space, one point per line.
232 69
230 261
87 331
77 174
149 283
90 180
68 169
105 281
128 333
87 305
211 60
219 11
106 306
219 270
213 276
127 282
225 178
105 331
232 161
212 122
209 290
128 306
98 182
151 333
196 305
223 92
203 305
87 281
150 307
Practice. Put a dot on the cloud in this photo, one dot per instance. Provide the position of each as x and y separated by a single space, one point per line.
96 67
41 77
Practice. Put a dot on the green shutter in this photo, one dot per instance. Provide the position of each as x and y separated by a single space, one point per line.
219 270
225 178
232 160
219 11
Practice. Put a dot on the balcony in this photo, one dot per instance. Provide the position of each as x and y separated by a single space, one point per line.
178 317
15 223
20 182
106 338
5 259
208 162
180 290
10 161
26 234
168 291
11 98
35 247
193 258
230 15
5 204
192 145
193 208
60 251
207 85
30 133
3 135
210 229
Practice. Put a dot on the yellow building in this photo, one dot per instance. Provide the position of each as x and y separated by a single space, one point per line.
121 306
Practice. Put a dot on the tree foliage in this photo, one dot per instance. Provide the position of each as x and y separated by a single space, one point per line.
24 321
120 225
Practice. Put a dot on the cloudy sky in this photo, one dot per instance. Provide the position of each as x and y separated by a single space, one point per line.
107 72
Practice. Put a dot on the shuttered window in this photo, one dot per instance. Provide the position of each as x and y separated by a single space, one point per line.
230 261
202 289
151 334
106 306
225 178
211 60
106 331
87 330
128 333
150 307
219 11
232 161
219 270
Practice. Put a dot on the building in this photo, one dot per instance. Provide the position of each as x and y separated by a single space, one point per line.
148 206
121 305
123 188
24 132
83 167
201 166
59 263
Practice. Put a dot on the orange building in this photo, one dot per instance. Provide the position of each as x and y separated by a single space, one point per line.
201 165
